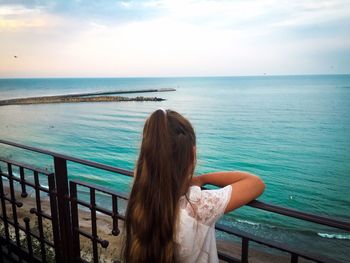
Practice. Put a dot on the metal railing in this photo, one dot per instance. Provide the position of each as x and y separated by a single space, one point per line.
25 243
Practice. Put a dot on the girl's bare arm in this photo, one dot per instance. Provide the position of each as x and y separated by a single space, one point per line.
245 186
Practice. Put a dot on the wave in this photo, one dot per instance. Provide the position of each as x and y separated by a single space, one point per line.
338 236
248 222
334 236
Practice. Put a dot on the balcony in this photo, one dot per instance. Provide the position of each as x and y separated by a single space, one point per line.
55 224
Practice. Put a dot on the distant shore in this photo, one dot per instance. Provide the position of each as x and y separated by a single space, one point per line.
85 97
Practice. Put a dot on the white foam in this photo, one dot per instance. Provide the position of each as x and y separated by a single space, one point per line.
248 222
334 236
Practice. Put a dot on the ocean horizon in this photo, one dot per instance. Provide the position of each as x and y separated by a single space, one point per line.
292 131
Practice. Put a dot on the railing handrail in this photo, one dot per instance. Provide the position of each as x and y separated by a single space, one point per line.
323 220
70 158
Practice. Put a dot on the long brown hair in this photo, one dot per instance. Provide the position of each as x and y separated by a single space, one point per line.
163 172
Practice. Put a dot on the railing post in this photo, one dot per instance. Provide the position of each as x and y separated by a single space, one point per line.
64 215
54 215
75 221
245 249
294 258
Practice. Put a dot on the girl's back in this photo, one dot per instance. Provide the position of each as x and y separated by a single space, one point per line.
169 218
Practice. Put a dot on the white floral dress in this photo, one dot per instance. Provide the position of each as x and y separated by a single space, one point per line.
198 213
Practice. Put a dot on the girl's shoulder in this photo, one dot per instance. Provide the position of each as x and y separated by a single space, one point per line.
206 206
194 193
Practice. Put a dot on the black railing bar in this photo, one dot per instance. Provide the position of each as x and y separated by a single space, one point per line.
99 209
54 220
323 220
273 244
3 212
115 213
43 189
43 214
28 236
228 258
48 242
17 203
23 186
19 251
279 210
13 202
96 239
93 225
63 208
84 233
26 166
294 258
76 252
69 158
101 189
39 216
244 249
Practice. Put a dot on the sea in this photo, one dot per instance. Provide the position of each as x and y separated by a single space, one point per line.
292 131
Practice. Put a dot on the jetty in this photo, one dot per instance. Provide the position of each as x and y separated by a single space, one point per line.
101 96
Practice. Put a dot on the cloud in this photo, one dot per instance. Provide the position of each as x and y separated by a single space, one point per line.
15 17
173 37
24 13
229 14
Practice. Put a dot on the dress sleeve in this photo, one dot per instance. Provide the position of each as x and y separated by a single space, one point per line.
208 206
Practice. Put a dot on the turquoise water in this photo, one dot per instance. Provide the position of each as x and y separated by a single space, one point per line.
293 131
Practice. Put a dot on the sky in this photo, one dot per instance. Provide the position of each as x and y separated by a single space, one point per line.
151 38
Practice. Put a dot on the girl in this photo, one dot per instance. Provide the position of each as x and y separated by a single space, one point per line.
169 218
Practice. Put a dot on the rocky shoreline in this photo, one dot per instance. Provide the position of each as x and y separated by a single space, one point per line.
86 97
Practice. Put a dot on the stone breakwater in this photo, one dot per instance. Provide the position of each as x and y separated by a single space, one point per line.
85 97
